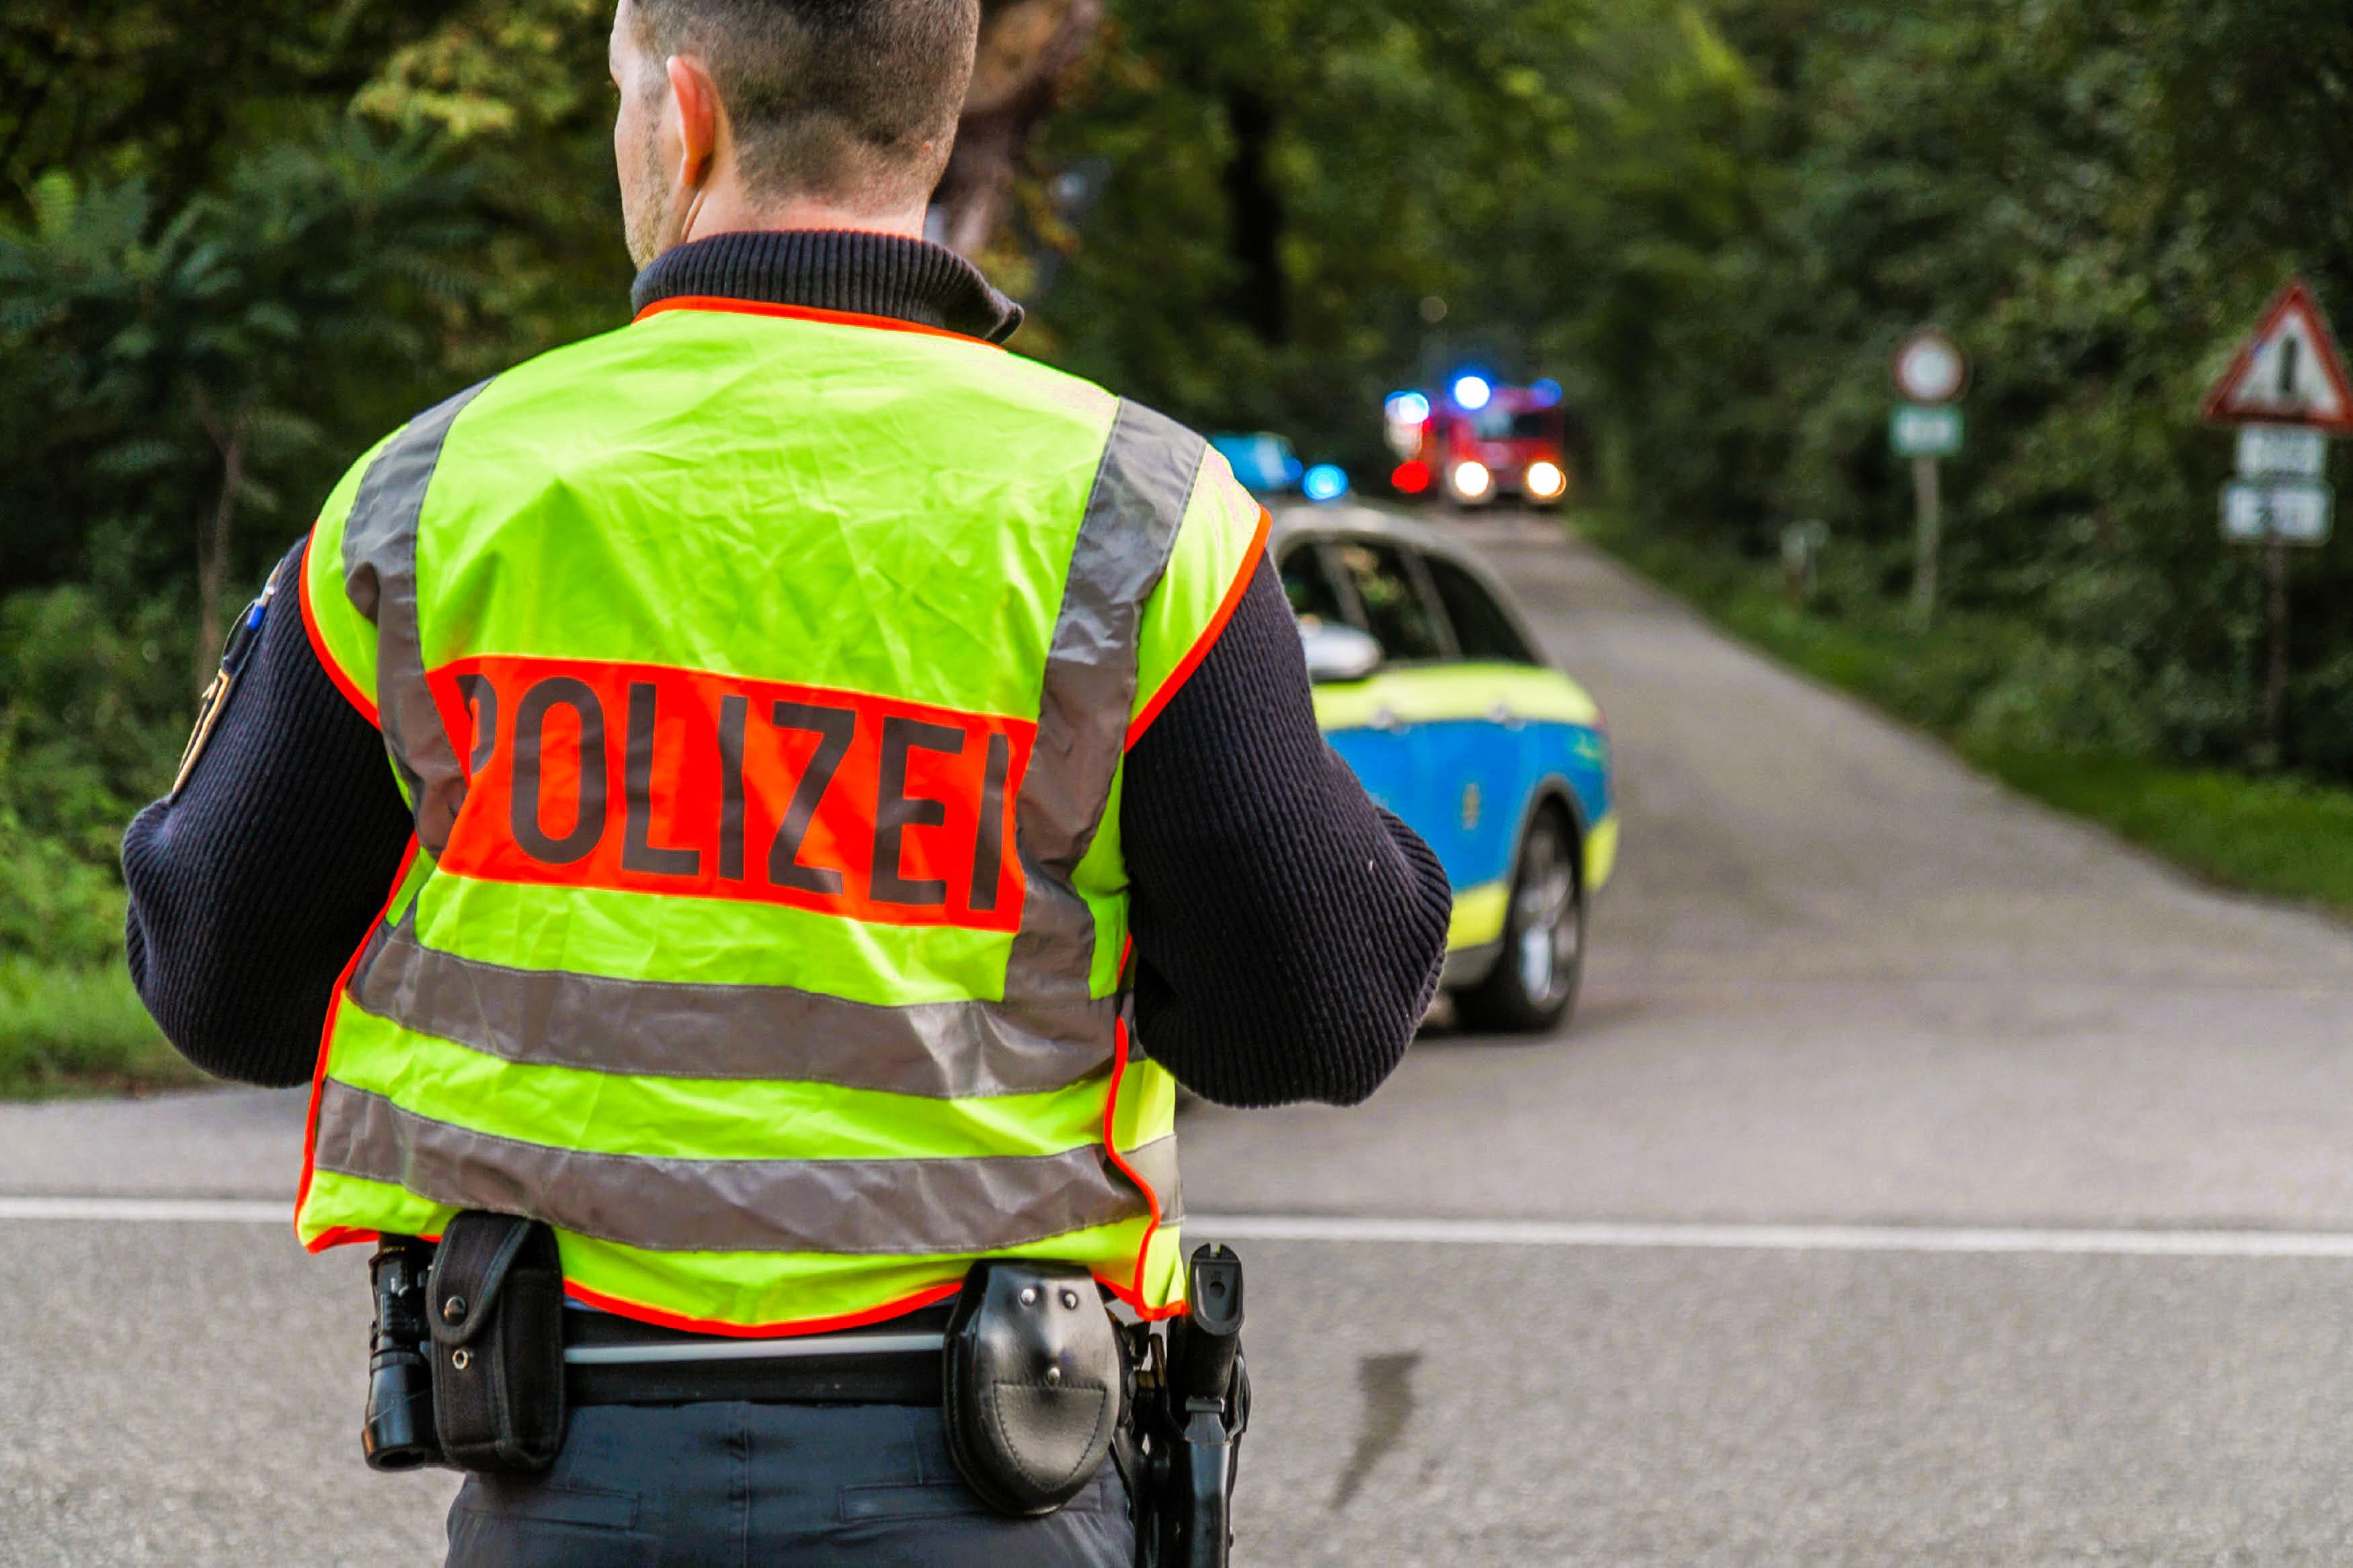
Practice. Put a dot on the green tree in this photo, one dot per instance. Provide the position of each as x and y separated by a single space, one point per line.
194 349
169 92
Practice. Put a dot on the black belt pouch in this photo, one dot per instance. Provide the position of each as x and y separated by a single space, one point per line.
1034 1382
495 1304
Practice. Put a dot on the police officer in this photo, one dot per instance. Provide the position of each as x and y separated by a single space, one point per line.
782 793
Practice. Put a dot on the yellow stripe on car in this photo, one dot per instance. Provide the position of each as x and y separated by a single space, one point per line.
1430 694
1479 915
1600 852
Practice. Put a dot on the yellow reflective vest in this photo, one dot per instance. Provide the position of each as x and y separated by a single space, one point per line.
760 680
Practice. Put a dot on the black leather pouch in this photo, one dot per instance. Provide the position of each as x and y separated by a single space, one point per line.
494 1302
1034 1384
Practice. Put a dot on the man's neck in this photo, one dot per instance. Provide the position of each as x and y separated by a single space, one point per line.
728 210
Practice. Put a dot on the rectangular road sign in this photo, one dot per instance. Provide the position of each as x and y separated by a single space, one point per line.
2293 512
2282 452
1920 430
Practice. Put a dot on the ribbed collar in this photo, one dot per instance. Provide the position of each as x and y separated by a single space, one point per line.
834 269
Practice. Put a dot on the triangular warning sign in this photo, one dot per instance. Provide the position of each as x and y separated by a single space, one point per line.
2289 374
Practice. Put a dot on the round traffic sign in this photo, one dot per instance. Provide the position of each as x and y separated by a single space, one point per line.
1929 367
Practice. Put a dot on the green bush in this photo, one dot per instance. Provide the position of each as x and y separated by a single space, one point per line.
65 1027
54 909
2065 699
92 707
91 710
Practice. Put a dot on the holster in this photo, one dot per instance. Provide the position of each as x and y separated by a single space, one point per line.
494 1303
1034 1384
1192 1405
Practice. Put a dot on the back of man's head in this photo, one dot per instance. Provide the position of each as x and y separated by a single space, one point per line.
843 100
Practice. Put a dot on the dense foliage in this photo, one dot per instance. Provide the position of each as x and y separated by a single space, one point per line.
234 251
1714 222
239 244
2097 200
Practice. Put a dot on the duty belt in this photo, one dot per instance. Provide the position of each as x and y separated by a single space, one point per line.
475 1360
610 1360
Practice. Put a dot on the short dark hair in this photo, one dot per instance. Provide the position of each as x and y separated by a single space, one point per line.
835 98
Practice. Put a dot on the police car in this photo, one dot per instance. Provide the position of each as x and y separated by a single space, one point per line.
1428 684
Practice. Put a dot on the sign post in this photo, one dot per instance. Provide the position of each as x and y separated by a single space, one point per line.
1930 372
2287 393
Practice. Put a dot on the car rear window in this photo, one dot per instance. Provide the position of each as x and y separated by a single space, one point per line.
1481 628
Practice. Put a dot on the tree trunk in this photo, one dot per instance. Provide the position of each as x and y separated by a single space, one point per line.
1028 50
1254 214
213 534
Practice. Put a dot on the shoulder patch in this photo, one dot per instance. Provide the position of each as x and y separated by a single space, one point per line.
242 640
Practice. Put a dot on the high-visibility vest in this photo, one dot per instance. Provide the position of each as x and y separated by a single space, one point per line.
760 680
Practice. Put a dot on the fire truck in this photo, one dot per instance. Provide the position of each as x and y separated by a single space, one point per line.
1476 440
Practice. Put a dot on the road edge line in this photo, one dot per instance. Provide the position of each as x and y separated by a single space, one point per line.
1766 1237
173 1211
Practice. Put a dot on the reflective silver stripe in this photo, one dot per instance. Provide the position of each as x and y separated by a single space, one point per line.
380 577
755 1350
946 1207
945 1050
1141 491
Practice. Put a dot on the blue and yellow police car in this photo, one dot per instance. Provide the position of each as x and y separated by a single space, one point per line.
1430 685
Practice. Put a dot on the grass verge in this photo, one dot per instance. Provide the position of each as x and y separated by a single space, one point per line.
2281 836
2278 835
80 1031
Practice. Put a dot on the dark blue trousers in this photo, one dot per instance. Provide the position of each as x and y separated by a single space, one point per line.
760 1484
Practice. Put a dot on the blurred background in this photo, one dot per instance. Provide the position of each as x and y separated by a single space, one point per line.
238 242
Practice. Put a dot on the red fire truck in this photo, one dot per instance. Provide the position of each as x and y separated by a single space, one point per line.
1476 440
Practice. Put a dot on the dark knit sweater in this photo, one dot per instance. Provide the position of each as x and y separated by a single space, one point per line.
1287 933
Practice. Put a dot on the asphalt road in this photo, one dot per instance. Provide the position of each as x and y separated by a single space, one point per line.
1834 1231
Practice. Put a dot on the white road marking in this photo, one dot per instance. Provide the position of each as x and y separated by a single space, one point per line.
177 1211
1773 1238
1465 1232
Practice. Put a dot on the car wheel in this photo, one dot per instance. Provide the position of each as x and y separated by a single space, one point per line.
1532 986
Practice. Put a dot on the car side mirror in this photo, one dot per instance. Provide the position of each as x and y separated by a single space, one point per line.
1338 652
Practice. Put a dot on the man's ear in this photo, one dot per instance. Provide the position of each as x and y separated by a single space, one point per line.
701 122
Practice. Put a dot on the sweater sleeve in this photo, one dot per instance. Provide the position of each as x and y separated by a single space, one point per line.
250 892
1289 932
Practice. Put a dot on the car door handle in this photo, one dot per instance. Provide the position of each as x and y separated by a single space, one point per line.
1386 720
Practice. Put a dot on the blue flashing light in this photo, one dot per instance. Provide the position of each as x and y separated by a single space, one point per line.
1407 408
1471 392
1546 392
1324 482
